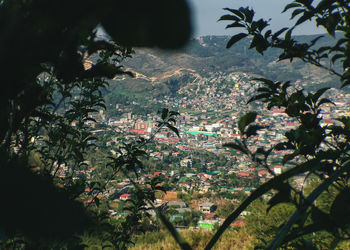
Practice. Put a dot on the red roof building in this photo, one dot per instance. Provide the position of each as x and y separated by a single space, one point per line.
125 197
243 174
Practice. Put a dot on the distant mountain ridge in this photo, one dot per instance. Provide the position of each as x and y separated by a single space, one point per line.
165 73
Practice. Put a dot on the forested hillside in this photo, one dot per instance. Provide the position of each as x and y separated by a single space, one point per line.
161 72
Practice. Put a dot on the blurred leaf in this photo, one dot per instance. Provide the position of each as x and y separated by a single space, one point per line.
337 57
165 112
97 201
340 209
253 129
236 146
246 120
276 35
318 94
175 130
325 100
303 18
259 97
291 5
283 195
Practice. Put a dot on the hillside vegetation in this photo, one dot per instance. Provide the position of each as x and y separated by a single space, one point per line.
160 72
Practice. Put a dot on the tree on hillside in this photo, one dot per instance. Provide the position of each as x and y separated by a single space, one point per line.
313 149
54 65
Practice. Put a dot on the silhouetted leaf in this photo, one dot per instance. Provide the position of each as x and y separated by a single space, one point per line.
253 129
236 12
291 5
175 130
173 113
164 113
288 157
236 146
323 101
282 196
296 12
235 39
228 18
313 41
319 93
336 57
246 120
248 14
97 201
276 35
288 34
259 97
340 208
303 18
324 4
235 25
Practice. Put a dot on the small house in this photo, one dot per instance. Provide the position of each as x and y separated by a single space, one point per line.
125 197
207 207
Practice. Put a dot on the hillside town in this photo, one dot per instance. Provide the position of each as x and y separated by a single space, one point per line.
196 164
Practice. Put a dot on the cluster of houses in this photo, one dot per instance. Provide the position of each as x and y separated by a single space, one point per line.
208 119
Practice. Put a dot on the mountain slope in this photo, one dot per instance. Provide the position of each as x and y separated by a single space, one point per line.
165 73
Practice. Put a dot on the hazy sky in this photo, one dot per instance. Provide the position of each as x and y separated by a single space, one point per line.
207 12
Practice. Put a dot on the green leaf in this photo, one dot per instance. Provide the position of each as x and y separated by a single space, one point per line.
235 25
323 101
303 18
276 35
261 190
173 113
261 24
288 158
97 201
175 130
253 129
258 97
248 14
291 5
332 23
340 42
340 209
318 94
336 57
313 41
107 245
234 39
296 12
266 82
302 209
229 18
246 120
283 196
267 34
236 146
164 113
324 4
259 43
288 34
236 12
